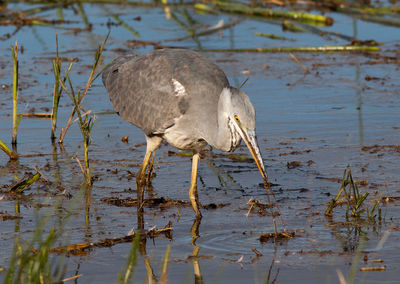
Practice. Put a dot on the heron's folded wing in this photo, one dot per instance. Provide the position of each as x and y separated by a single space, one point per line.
143 95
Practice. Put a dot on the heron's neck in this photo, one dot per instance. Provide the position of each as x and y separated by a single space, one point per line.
224 137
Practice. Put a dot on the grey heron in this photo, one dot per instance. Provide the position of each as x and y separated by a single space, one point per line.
179 96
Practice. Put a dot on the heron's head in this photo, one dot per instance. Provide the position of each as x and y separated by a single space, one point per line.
241 116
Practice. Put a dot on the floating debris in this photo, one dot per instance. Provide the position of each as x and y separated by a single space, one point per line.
276 236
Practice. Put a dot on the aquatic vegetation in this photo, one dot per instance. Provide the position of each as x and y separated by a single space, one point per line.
25 183
8 151
85 121
350 195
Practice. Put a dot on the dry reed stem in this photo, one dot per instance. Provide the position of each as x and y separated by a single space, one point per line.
72 278
342 280
373 268
37 114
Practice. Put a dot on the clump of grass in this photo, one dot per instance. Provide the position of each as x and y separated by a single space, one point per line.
57 92
15 118
350 195
85 121
82 94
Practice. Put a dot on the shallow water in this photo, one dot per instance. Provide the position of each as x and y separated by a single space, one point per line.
326 117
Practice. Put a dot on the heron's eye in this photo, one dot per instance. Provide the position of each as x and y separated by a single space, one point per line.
237 118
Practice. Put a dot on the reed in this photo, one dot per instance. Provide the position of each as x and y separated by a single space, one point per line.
56 92
13 155
15 118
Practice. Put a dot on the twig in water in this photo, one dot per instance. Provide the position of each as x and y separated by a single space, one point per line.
72 278
299 62
37 114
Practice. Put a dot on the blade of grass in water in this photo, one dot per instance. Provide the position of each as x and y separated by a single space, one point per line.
341 48
258 11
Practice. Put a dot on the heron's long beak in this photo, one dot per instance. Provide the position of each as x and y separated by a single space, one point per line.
250 138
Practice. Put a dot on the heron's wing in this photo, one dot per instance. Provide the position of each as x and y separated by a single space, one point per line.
142 91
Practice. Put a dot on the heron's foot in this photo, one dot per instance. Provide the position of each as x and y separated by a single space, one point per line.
141 179
194 199
144 179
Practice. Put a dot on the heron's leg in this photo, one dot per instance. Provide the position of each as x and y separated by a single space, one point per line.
194 198
152 144
141 179
150 169
141 175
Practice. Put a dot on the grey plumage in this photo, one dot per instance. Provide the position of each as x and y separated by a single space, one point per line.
182 97
141 87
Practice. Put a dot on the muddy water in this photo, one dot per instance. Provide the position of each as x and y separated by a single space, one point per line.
325 120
